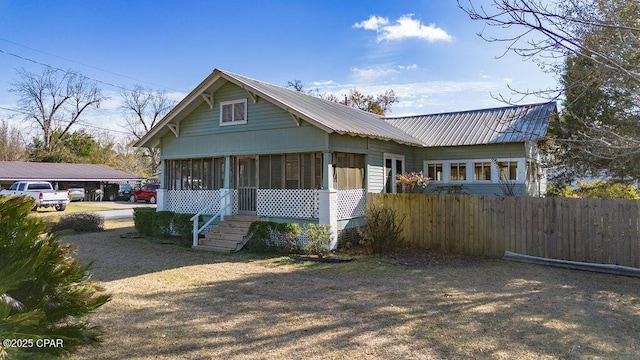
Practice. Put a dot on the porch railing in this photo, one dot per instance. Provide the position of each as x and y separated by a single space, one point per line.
222 204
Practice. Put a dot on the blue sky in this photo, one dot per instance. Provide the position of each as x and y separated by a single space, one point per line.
427 51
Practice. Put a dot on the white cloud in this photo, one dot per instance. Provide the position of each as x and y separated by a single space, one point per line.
324 83
429 97
368 74
404 28
373 23
372 73
408 67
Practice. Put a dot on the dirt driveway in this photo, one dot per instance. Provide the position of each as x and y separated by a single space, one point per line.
174 303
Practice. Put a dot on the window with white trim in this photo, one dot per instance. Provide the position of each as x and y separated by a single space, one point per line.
393 165
458 171
233 112
434 172
508 170
482 171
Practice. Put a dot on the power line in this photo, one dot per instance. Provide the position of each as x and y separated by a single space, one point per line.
83 64
79 123
24 58
71 72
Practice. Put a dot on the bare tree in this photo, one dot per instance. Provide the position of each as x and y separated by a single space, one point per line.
592 47
55 101
549 31
143 109
378 104
12 144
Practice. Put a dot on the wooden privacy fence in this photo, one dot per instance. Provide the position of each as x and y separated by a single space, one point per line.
589 230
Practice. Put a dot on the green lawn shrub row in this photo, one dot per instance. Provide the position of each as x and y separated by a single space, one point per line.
266 236
164 224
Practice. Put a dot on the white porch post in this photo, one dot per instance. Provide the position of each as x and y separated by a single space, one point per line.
328 201
226 189
161 200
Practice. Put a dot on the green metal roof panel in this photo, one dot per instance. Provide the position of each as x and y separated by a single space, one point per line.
476 127
324 113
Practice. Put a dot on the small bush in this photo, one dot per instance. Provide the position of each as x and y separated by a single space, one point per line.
143 219
79 222
161 223
182 226
318 239
383 229
266 236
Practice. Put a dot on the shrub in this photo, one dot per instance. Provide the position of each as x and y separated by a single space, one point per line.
383 230
44 292
79 222
182 225
266 236
161 223
143 219
318 239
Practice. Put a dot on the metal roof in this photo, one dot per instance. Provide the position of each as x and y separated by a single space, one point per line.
16 171
499 125
325 114
487 126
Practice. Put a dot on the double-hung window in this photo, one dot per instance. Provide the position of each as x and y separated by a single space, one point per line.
434 172
458 171
508 170
482 171
233 112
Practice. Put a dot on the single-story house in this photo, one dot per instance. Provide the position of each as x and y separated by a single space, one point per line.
91 177
250 147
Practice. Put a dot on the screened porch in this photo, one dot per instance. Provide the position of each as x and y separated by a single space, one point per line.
270 185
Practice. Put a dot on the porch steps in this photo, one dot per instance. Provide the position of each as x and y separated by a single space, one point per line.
228 235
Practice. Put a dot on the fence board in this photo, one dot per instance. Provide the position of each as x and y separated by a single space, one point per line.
590 230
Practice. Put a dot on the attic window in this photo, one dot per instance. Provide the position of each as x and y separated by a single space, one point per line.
233 112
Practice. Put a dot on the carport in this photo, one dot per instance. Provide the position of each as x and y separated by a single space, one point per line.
92 177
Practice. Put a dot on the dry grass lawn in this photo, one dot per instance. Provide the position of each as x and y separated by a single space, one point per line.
175 303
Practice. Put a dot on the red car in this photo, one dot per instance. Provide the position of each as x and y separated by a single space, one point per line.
146 193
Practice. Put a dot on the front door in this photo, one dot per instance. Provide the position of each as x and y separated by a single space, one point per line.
247 173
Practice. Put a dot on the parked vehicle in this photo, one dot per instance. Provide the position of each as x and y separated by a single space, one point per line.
113 192
146 193
42 192
76 194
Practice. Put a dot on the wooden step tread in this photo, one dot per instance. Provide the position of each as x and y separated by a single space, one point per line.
213 248
226 244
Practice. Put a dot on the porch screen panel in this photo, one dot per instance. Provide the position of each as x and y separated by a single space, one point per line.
218 173
168 172
207 174
196 174
186 174
276 172
174 182
306 171
264 172
292 171
317 169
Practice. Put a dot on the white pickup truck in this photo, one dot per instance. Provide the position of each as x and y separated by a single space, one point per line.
42 192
